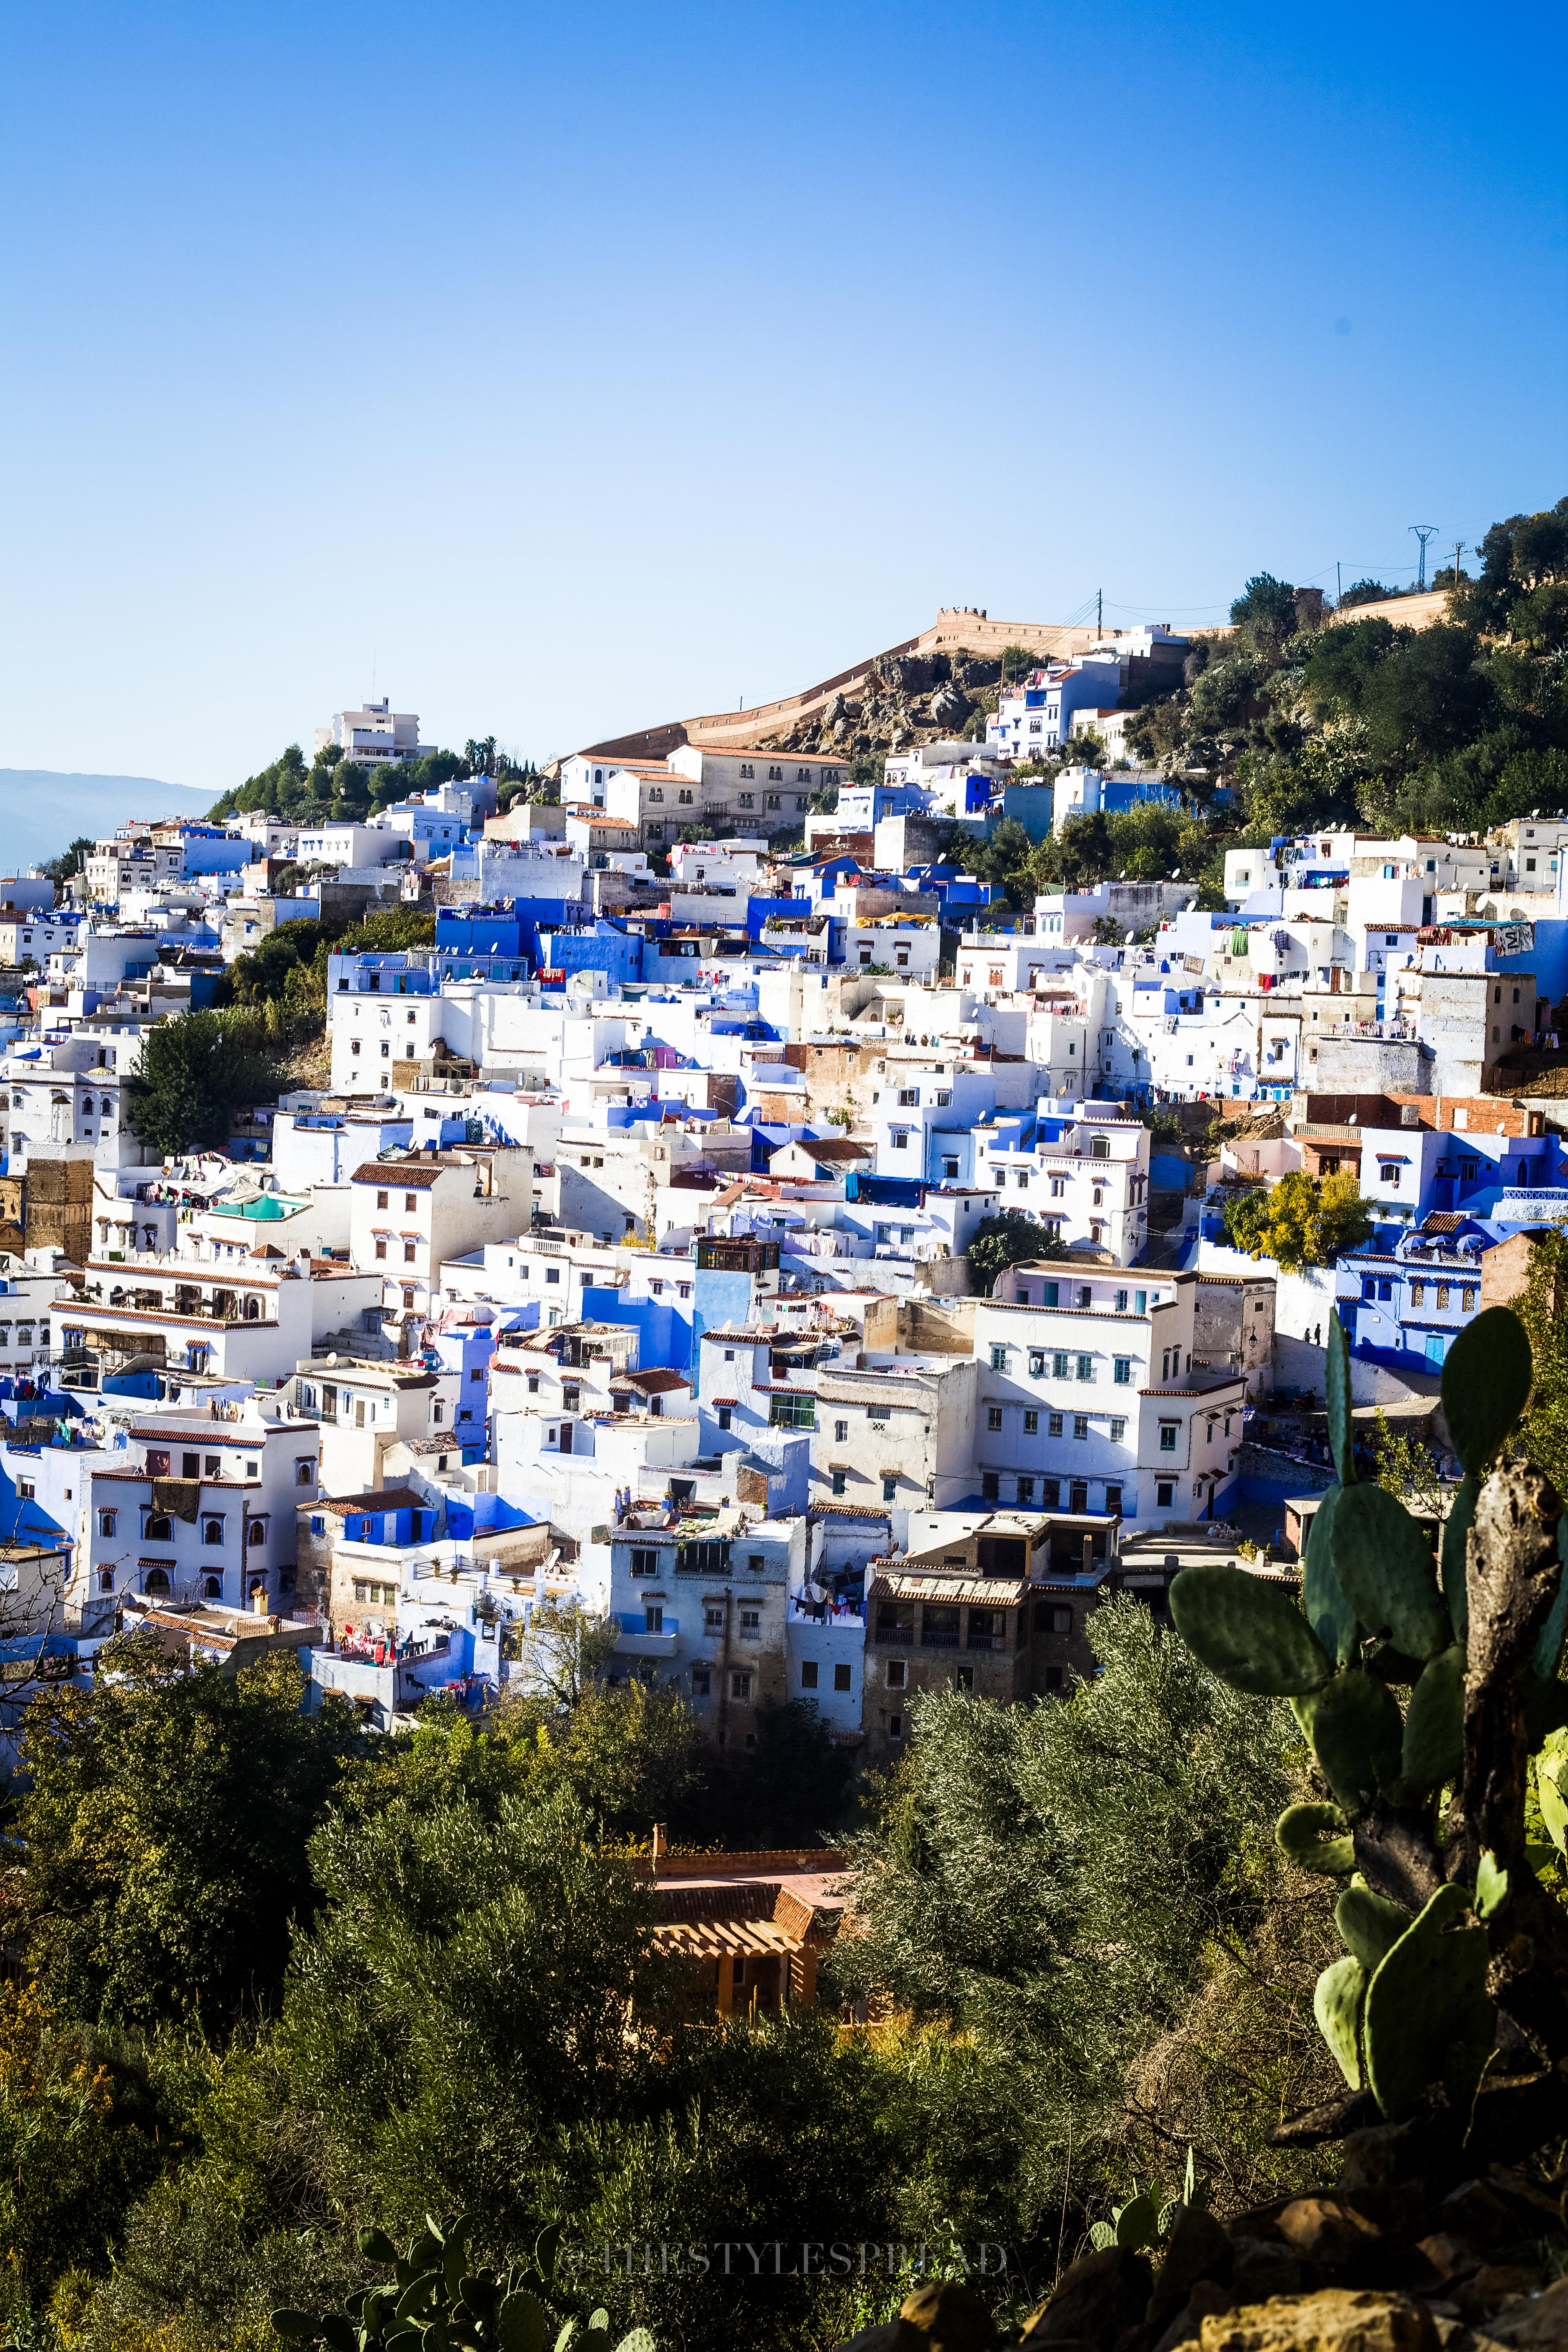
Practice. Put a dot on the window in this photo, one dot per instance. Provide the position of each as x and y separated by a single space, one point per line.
792 1412
998 1359
645 1560
992 1416
1168 1436
808 1673
990 1487
107 1522
1467 1302
212 1531
381 1249
840 1482
1053 1424
1121 1302
1080 1424
1031 1424
724 1413
158 1527
889 1486
841 1678
741 1684
1118 1430
411 1200
1086 1368
841 1432
1442 1297
1037 1361
895 1726
653 1619
410 1252
1026 1494
1121 1369
713 1619
381 1199
1418 1293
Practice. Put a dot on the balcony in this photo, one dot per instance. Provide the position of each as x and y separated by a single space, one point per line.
635 1641
938 1639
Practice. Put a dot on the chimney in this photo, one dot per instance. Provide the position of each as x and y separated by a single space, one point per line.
660 1846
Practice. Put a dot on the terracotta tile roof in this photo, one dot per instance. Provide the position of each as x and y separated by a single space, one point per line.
380 1498
979 1591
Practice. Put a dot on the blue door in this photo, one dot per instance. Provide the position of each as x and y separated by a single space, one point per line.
1435 1345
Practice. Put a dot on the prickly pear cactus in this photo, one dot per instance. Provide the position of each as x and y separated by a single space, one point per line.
435 2302
1373 1663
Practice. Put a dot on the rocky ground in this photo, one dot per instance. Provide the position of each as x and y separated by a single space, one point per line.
907 699
1427 2264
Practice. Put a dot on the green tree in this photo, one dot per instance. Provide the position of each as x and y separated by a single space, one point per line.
791 1788
1365 591
1543 1310
628 1756
1263 615
194 1072
1005 1886
569 1648
1010 1238
164 1822
70 861
464 2000
1300 1220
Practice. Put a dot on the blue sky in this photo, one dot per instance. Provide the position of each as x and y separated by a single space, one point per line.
566 370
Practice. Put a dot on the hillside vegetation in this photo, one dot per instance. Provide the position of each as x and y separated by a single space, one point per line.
1451 728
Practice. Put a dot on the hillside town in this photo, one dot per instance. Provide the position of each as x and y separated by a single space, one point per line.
628 1254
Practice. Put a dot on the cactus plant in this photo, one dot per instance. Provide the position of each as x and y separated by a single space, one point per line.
1421 1704
435 2302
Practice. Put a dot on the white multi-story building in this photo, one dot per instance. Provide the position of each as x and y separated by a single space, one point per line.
201 1506
1088 1400
373 733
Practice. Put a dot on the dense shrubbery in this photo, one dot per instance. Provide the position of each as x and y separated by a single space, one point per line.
288 1982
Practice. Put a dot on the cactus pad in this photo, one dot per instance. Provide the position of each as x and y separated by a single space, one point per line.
1486 1384
1356 1730
1328 1613
1250 1633
1315 1837
1384 1566
1434 1749
1370 1924
1336 2004
1337 1392
1428 2015
1456 1532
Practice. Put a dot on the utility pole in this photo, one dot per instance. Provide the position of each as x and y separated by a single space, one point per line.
1099 612
1458 550
1424 531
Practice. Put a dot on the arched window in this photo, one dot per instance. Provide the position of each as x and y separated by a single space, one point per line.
106 1580
157 1580
253 1310
212 1531
213 1588
257 1533
107 1522
159 1527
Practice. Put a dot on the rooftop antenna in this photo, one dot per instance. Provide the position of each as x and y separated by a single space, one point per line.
1424 531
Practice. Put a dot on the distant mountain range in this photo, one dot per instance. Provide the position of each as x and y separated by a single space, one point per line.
42 811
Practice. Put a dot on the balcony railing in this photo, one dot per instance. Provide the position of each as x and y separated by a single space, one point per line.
902 1635
938 1641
